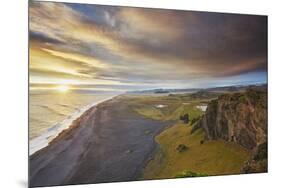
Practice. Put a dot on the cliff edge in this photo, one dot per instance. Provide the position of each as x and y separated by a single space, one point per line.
238 117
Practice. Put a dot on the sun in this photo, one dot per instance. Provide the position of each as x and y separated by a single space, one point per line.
62 88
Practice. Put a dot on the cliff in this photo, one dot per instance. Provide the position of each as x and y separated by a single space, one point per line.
237 117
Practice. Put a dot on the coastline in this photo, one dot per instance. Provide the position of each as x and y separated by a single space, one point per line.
106 144
40 142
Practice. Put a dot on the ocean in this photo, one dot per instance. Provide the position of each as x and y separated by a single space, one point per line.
52 112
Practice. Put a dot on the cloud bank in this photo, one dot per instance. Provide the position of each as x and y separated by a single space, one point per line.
126 48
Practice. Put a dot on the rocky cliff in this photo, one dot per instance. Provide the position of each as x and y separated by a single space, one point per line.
238 117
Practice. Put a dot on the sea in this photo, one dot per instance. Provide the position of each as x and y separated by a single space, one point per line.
52 112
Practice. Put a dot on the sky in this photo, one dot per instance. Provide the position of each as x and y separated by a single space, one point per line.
108 48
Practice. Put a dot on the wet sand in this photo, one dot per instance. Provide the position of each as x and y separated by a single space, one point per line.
108 143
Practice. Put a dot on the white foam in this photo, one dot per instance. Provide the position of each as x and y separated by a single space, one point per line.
43 140
161 106
202 107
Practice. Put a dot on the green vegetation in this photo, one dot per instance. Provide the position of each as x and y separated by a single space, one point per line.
204 95
195 127
212 157
242 99
183 150
194 120
185 118
187 173
174 107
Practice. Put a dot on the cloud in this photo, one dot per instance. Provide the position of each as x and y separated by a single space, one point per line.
134 45
53 74
91 61
41 38
159 24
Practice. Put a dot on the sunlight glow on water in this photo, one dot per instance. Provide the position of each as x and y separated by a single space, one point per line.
52 112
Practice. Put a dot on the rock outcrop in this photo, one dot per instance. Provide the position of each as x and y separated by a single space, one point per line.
238 117
258 162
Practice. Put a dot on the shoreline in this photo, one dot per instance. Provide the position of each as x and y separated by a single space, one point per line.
108 143
40 142
152 154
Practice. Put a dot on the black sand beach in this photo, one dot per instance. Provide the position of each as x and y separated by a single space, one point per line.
108 143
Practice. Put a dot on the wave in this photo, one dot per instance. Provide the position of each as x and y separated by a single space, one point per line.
66 106
70 107
53 110
43 140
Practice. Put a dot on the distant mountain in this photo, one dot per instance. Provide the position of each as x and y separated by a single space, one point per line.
204 94
163 91
238 88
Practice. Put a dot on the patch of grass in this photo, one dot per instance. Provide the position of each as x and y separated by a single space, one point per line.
195 127
242 99
212 157
195 119
175 106
151 112
187 173
203 157
190 109
181 148
171 112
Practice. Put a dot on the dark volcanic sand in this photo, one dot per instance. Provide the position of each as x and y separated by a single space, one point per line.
107 143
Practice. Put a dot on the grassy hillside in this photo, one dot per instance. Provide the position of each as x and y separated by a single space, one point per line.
180 152
174 106
208 158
